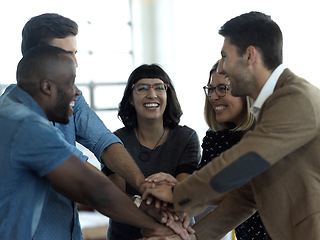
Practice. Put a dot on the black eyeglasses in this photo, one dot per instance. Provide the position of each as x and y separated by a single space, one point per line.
143 89
221 90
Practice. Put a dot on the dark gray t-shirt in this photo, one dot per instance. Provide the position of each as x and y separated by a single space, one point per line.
180 153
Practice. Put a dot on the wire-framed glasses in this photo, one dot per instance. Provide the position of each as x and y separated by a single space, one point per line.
143 89
221 90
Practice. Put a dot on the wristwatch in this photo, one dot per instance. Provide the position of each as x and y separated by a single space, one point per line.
137 200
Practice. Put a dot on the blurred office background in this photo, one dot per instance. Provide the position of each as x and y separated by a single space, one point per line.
116 36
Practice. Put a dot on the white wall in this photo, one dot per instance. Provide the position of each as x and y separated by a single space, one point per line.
182 35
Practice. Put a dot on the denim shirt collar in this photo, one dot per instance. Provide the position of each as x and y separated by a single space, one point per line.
17 94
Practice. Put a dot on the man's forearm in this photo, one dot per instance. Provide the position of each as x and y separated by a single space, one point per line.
117 158
120 207
124 210
70 195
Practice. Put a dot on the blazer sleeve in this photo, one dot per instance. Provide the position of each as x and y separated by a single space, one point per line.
282 129
236 207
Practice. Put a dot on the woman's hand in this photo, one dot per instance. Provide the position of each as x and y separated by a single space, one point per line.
160 177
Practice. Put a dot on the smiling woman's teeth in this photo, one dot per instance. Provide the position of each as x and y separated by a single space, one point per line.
219 108
151 105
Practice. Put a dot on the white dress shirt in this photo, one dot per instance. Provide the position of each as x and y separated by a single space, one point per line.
267 90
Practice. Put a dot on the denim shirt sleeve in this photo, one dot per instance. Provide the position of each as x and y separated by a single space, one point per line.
90 131
38 147
74 149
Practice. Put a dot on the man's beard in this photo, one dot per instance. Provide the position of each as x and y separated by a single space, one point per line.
62 107
241 80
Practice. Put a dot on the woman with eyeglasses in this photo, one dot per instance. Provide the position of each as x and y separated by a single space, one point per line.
150 112
228 118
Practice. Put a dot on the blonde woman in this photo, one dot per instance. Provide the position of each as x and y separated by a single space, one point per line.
228 118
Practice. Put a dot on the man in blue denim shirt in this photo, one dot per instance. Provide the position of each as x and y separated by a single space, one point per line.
34 155
60 219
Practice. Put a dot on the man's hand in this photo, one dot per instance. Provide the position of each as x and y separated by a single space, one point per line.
154 212
160 230
179 223
179 229
149 199
162 192
160 177
169 237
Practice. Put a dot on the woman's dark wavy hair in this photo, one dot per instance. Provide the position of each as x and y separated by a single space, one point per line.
127 112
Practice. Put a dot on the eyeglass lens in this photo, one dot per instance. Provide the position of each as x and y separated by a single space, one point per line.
220 90
159 88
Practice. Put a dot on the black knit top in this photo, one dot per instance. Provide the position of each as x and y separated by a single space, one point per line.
213 144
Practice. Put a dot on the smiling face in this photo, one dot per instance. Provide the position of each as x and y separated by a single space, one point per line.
65 101
228 108
151 104
236 70
63 81
68 44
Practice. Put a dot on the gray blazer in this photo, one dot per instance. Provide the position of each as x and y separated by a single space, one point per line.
275 169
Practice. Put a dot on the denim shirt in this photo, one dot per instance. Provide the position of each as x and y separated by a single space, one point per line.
87 128
60 219
30 148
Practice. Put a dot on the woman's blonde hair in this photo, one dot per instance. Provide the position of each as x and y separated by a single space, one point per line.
210 115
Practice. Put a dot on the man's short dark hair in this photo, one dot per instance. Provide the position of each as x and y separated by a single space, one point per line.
259 30
42 29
